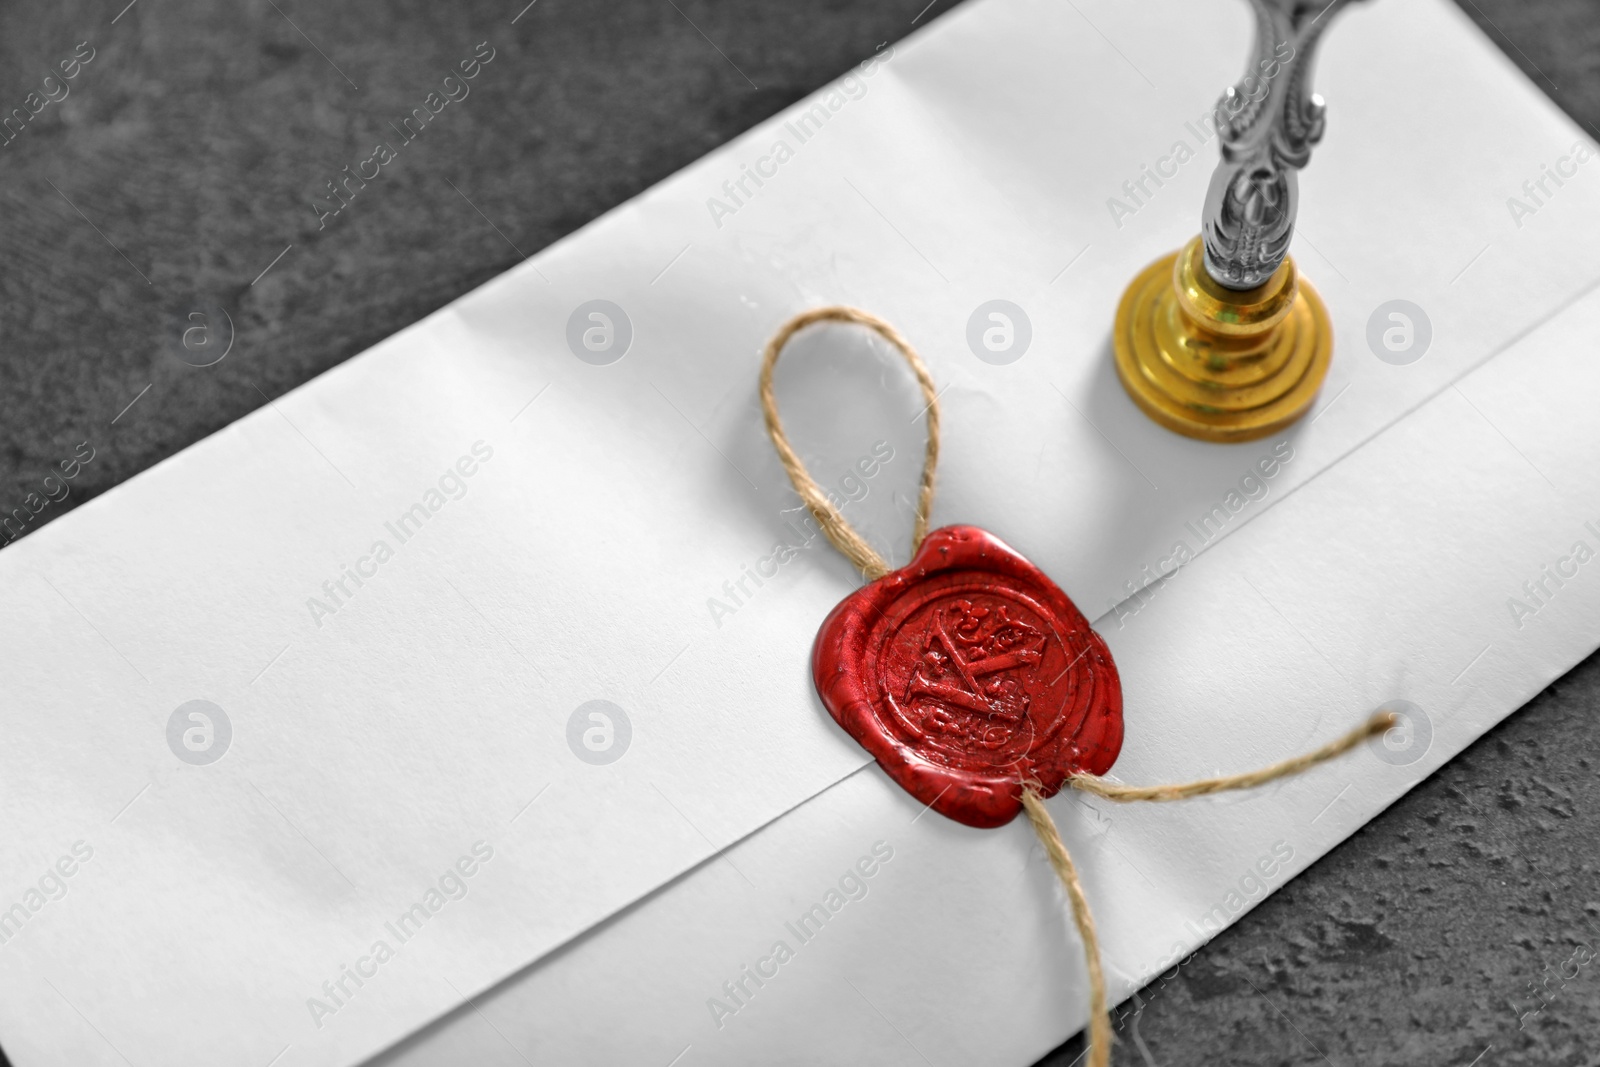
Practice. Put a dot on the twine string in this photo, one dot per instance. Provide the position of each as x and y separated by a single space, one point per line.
1100 787
1061 861
867 559
840 532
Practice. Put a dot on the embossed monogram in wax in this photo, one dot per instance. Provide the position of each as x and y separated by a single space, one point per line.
968 672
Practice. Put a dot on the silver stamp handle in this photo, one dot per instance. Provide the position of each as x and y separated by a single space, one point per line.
1268 122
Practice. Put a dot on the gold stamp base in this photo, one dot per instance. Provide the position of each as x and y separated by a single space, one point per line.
1217 364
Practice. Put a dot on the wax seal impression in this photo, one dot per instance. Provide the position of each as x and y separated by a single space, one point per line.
966 673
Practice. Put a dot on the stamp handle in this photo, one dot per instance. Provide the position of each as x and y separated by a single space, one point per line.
1268 122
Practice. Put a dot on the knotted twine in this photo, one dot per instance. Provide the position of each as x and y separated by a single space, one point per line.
873 566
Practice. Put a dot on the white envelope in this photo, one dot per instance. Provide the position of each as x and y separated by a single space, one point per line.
401 763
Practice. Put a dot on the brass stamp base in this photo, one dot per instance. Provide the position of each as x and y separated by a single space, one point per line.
1217 364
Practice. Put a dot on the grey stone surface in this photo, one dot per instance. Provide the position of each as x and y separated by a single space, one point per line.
184 160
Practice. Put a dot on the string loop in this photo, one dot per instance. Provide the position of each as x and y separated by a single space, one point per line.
840 532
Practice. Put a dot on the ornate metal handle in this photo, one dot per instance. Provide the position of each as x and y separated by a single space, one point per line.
1268 122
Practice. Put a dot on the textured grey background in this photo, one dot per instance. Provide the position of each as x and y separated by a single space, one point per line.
183 161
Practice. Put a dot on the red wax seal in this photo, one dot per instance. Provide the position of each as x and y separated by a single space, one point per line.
965 673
